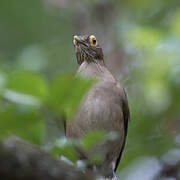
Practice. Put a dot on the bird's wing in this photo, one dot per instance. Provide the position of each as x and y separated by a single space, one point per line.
126 116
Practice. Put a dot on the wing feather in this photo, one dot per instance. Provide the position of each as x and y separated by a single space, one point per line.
126 116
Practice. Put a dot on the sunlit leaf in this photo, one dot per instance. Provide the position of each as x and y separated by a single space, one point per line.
67 149
175 25
29 83
144 37
20 98
67 92
92 138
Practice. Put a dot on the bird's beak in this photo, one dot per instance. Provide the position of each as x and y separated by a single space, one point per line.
76 40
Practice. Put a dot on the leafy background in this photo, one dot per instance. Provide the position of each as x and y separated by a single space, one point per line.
141 43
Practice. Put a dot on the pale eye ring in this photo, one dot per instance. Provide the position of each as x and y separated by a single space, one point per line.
92 40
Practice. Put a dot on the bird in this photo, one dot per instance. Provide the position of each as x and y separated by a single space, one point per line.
104 107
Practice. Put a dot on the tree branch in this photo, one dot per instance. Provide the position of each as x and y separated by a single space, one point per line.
20 160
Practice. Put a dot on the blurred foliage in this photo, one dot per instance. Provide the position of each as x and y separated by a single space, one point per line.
67 149
141 42
92 138
66 92
27 98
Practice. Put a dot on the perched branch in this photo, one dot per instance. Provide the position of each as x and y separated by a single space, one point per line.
20 160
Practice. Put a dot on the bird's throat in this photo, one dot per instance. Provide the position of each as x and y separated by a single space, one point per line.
94 69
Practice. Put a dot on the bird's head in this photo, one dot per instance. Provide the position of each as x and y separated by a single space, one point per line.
87 49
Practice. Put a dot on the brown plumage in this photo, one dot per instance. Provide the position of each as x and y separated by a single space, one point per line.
105 106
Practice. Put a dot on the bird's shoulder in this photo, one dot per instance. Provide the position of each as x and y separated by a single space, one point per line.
108 89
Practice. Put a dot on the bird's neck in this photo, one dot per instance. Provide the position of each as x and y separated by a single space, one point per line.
95 69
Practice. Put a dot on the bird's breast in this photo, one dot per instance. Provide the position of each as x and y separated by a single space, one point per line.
99 110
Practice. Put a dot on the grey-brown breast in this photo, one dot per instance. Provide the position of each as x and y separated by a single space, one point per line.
104 107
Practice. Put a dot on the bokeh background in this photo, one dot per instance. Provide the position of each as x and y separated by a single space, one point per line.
141 43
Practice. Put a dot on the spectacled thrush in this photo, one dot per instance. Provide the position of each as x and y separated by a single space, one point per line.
104 107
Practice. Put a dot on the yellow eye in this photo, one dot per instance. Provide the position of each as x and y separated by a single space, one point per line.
92 40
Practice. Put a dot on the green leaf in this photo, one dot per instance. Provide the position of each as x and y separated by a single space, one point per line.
66 93
2 82
92 138
67 150
27 82
23 121
20 98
